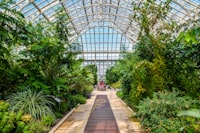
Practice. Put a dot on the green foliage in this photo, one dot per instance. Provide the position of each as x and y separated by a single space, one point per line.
159 114
120 94
47 120
62 107
191 36
36 127
37 104
190 116
8 121
112 75
58 115
138 78
81 81
154 29
20 127
148 77
93 70
191 112
159 62
144 71
116 85
79 99
12 33
11 122
182 60
40 56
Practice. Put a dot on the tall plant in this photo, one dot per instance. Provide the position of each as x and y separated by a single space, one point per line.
93 70
12 33
146 73
183 61
48 59
155 30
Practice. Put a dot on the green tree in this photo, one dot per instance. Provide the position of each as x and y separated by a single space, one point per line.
12 34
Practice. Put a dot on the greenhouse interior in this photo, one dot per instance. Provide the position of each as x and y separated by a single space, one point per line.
57 56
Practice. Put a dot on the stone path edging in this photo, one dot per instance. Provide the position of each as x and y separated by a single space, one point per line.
82 128
127 106
61 121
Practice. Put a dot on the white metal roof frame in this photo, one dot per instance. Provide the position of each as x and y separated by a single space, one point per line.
102 15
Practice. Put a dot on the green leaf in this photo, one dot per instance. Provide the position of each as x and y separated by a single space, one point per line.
38 84
36 47
192 112
180 36
187 36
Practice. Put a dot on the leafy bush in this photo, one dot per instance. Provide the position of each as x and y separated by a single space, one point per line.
116 85
36 127
67 105
183 62
11 122
93 69
120 94
87 91
47 120
112 75
192 117
159 114
147 77
58 114
62 107
7 119
37 104
79 99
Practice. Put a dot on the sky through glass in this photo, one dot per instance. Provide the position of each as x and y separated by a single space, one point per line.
102 27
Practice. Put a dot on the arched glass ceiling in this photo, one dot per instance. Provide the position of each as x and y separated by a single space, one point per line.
85 15
102 46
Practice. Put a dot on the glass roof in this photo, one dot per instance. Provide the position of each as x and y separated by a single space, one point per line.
102 27
102 46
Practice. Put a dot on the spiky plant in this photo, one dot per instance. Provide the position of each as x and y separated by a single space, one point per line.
37 104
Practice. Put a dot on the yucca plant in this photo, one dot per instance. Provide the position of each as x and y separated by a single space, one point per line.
37 104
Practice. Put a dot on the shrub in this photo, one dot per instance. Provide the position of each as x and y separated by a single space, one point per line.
159 114
7 119
47 120
58 115
192 118
79 99
36 127
11 122
37 104
64 107
87 91
120 94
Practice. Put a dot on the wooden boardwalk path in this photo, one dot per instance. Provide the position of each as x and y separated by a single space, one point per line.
101 119
77 121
